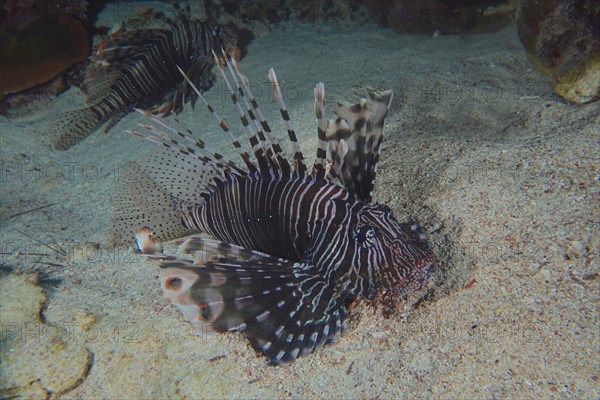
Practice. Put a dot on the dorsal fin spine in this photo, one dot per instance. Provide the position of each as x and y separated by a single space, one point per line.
257 147
236 144
278 158
321 159
214 159
298 156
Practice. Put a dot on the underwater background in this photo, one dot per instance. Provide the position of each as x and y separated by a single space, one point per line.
490 144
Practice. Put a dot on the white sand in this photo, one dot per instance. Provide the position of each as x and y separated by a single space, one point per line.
477 149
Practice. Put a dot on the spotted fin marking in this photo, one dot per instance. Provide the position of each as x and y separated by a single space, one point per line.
361 127
74 126
146 195
283 307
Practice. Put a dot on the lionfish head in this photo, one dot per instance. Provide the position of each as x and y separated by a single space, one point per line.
398 253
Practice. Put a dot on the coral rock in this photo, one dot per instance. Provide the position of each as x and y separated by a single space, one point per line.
562 40
447 17
40 52
34 351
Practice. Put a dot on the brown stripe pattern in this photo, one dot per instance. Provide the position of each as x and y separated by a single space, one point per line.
139 69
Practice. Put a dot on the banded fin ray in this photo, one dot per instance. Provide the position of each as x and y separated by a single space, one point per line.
259 148
146 195
234 141
269 155
285 308
258 135
320 165
153 199
338 154
199 150
278 154
361 127
298 156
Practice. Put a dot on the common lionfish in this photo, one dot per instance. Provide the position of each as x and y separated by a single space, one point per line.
136 69
290 249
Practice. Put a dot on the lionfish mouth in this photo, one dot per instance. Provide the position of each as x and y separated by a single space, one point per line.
431 268
419 277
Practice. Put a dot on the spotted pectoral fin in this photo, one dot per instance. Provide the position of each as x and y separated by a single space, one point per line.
71 127
145 195
360 126
281 306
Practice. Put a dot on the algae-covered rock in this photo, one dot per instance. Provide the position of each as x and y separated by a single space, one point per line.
38 359
40 52
562 40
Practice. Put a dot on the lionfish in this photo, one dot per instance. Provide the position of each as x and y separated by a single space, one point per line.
289 249
136 69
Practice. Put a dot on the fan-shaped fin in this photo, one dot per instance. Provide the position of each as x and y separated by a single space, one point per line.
147 195
285 308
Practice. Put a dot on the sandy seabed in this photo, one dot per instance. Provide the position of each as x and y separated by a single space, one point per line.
477 149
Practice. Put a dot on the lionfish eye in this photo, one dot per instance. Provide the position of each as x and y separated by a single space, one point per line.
365 235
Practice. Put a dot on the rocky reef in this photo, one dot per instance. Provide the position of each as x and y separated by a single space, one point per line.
407 16
39 43
562 40
443 16
40 360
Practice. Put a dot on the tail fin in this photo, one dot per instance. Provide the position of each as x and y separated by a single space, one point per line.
284 308
361 127
72 127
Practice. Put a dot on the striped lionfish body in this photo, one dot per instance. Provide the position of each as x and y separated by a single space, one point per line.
136 69
290 248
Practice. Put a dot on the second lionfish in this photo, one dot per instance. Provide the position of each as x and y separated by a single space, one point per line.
136 68
290 248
